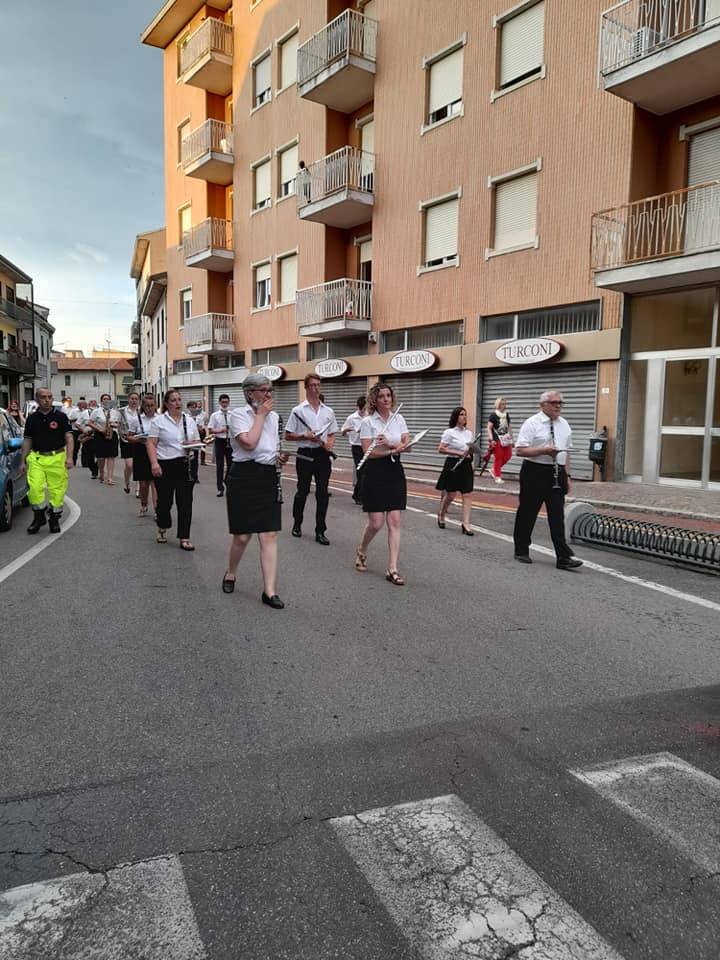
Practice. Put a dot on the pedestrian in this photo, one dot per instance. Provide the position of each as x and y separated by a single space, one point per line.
201 420
77 433
254 493
105 421
218 428
457 472
15 413
172 468
142 471
351 429
544 442
384 435
130 423
86 439
313 425
500 437
47 455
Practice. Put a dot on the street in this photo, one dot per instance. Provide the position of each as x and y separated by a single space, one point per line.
374 772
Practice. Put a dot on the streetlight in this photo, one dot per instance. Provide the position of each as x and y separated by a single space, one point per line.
110 381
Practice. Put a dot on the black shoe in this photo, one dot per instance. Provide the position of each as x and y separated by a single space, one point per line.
296 531
228 585
468 533
221 493
274 601
54 519
39 520
571 563
321 538
523 558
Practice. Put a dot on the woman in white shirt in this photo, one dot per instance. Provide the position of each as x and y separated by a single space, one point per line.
105 421
137 437
253 484
129 424
169 449
351 430
383 488
457 472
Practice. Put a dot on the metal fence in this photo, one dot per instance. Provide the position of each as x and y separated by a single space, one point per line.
212 136
350 34
213 36
339 299
10 360
346 169
211 234
209 329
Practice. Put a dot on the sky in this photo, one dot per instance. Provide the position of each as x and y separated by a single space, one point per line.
81 165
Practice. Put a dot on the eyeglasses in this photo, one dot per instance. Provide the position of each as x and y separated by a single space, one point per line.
263 389
554 403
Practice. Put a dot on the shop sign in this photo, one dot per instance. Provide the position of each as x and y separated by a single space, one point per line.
272 371
413 361
332 368
523 352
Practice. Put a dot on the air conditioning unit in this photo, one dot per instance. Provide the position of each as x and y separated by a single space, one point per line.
643 41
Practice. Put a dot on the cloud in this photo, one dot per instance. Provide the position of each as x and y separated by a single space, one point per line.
83 252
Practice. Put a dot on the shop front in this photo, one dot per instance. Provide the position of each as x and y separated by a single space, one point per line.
428 399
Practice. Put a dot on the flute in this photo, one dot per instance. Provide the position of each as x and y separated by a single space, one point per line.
472 444
278 460
374 441
316 434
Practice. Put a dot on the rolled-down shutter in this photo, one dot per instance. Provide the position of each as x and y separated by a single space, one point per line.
366 251
704 163
288 164
262 183
234 391
262 75
288 279
190 394
285 397
428 400
522 44
522 389
441 231
516 212
288 61
446 81
341 394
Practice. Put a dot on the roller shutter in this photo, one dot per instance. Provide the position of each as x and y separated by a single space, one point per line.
234 392
341 394
522 389
189 394
427 401
285 397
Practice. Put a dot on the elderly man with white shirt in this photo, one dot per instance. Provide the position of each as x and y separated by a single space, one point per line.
544 442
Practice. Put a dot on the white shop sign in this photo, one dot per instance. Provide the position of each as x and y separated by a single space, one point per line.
272 371
522 352
413 361
332 368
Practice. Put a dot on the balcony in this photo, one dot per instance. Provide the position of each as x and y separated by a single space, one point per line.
207 153
338 190
336 67
16 362
672 240
334 309
41 371
661 54
211 333
206 57
21 316
209 245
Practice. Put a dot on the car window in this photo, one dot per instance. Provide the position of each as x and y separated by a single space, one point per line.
5 429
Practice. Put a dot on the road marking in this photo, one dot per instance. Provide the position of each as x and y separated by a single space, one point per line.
674 799
30 554
139 910
456 889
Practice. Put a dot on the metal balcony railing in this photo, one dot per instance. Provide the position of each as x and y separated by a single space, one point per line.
213 36
204 331
670 225
337 300
350 34
347 168
13 311
11 360
634 29
213 136
211 234
41 370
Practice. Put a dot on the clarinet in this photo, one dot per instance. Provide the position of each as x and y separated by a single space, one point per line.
556 465
278 462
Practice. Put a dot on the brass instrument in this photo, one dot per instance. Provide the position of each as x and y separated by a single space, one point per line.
108 424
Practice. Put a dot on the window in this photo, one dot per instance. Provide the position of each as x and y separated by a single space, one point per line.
289 354
2 340
261 81
36 354
546 322
441 232
521 45
515 211
185 306
185 366
182 43
162 325
95 380
67 380
287 49
366 260
262 286
261 172
225 363
423 338
10 294
337 347
183 132
288 278
445 83
184 221
287 168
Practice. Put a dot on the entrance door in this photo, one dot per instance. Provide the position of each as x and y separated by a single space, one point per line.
690 422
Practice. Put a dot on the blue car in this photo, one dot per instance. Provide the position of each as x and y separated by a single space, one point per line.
13 484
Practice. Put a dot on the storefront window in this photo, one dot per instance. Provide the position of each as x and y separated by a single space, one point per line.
672 321
635 427
681 457
716 405
715 460
685 393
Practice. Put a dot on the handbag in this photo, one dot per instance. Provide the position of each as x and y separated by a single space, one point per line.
506 440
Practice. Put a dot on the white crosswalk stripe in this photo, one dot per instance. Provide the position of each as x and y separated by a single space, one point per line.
456 889
141 910
675 800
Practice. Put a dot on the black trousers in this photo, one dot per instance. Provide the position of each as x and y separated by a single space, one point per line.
536 489
357 455
76 445
223 461
174 485
87 456
319 471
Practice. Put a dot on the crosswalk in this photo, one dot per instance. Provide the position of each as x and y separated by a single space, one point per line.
451 885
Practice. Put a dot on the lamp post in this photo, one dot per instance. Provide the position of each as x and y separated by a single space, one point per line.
110 381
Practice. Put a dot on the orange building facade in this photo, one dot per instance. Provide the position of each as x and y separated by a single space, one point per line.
461 199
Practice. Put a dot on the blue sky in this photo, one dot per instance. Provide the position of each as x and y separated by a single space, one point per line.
81 167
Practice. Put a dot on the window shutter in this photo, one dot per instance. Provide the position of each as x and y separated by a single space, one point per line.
262 75
185 221
515 212
446 80
441 230
288 61
262 183
288 279
522 42
369 10
704 157
367 136
262 272
366 251
288 164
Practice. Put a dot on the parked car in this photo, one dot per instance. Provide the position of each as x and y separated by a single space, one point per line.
13 484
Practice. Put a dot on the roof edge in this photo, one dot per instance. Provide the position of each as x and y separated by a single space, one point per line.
171 19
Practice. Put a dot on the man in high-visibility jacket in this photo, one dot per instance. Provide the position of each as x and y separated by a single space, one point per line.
47 455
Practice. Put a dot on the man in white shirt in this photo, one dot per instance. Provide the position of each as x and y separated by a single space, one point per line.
544 442
218 427
351 430
313 425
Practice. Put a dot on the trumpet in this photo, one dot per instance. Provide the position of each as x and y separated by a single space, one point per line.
108 424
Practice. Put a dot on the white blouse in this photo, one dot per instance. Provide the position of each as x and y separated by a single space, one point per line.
171 436
130 419
353 424
374 425
100 417
241 421
457 439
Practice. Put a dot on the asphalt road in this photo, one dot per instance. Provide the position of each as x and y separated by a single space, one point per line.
148 718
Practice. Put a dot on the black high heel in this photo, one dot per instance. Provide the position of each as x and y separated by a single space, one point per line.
441 523
468 533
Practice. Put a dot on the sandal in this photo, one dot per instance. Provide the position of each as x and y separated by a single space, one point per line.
360 561
392 576
143 510
161 538
186 545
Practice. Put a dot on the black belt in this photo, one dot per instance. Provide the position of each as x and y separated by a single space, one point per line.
309 451
49 453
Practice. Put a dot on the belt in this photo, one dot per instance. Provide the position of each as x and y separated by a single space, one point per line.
49 453
309 450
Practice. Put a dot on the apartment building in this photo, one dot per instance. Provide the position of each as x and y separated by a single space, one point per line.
17 346
411 191
149 331
90 377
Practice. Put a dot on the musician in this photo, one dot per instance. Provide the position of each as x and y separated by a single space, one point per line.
254 496
105 421
457 472
499 432
218 428
86 440
383 489
137 438
47 456
313 425
72 412
172 468
351 430
130 423
543 442
193 408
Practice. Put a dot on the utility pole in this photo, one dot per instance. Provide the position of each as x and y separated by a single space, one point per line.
110 379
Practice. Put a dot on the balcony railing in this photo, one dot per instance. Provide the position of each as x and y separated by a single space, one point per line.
209 332
213 36
637 28
673 224
17 362
209 236
338 300
350 34
213 136
13 311
346 169
41 370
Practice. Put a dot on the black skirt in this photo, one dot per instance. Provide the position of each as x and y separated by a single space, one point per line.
456 481
141 462
106 449
382 485
126 450
251 495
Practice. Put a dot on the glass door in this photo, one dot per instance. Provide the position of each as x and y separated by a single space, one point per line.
714 453
690 422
